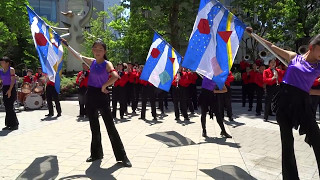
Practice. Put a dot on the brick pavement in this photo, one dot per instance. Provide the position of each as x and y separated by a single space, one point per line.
163 149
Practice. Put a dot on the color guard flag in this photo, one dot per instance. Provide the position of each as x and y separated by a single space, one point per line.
49 47
162 64
214 42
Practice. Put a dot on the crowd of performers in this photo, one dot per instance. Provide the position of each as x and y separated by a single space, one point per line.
287 94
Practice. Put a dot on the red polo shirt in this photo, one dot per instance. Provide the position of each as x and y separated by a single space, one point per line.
84 82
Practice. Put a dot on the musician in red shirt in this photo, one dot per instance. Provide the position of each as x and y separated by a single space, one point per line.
193 76
29 78
52 94
252 85
119 92
179 85
245 81
148 92
259 89
82 82
243 66
272 77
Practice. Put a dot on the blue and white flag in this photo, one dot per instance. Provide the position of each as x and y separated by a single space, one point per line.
49 47
162 64
214 42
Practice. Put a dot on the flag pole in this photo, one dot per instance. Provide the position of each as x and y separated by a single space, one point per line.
257 38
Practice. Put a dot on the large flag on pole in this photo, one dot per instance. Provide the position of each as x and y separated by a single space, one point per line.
49 47
214 41
162 64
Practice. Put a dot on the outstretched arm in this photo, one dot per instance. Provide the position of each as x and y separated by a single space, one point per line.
88 61
285 54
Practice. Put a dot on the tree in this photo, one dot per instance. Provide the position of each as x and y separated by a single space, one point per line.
280 21
15 37
113 34
173 19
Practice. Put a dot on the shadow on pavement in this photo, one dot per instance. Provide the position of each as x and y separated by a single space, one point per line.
52 118
229 172
41 168
5 132
152 122
234 123
184 122
221 141
118 121
171 139
96 172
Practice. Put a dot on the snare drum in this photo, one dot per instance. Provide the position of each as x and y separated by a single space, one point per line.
33 101
38 89
26 88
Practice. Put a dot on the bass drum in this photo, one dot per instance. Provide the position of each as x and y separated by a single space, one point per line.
33 101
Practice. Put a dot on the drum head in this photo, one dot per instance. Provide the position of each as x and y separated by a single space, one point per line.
26 88
38 89
33 101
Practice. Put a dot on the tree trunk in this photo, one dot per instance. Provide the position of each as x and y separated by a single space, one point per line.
174 27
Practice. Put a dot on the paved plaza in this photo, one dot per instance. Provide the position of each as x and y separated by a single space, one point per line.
56 148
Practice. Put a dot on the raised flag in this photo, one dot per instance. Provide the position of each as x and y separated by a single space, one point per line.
49 47
214 41
162 64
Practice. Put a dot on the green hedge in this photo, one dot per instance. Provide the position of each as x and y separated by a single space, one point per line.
68 86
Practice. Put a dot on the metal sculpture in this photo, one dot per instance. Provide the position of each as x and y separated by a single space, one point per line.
73 32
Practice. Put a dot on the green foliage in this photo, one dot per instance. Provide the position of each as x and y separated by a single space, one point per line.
280 21
68 86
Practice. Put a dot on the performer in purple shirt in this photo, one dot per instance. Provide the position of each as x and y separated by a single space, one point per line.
213 99
7 75
102 74
293 105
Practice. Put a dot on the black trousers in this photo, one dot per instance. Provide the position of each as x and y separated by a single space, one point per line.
260 92
193 96
98 101
206 102
129 93
271 91
245 94
227 102
119 95
289 165
52 94
179 97
148 92
82 102
219 109
11 119
162 99
135 100
251 88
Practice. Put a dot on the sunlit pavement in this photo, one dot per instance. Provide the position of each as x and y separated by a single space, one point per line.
56 148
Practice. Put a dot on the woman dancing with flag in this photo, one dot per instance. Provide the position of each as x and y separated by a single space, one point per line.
102 74
293 104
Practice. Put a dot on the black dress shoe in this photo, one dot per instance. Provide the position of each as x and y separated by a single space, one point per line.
250 109
186 119
231 119
6 128
13 128
154 118
143 118
178 119
225 134
49 115
258 114
204 133
58 115
91 159
126 162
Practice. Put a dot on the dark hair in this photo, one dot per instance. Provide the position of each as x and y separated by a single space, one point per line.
315 41
7 60
99 41
30 70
